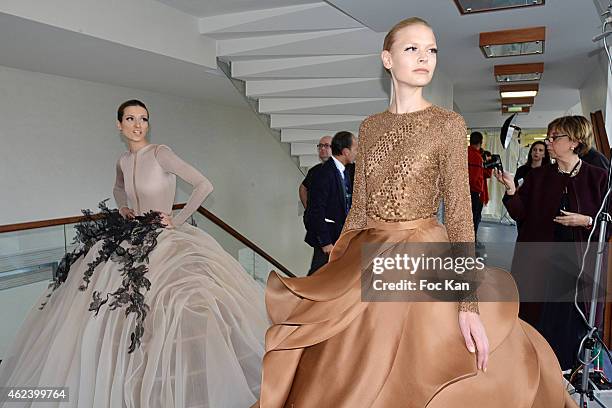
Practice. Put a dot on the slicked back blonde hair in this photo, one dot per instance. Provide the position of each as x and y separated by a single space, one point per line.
578 128
390 37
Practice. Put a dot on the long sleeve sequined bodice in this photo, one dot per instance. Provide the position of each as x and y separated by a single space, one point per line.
146 180
406 164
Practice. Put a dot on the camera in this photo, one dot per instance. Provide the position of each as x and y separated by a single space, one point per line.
492 161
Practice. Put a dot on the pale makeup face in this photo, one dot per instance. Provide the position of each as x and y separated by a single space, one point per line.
135 124
413 56
537 153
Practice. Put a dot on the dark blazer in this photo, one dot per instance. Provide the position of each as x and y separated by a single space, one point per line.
537 202
595 158
534 206
326 212
546 274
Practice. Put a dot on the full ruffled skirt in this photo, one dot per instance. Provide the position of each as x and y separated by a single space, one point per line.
328 348
202 345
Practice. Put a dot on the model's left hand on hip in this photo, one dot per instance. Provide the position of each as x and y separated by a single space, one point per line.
166 220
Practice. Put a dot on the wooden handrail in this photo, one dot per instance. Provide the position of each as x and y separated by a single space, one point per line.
227 228
54 222
212 217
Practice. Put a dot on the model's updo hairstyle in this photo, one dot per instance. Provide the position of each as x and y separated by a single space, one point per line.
131 102
390 37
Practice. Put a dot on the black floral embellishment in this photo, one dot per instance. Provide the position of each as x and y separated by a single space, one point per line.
97 302
128 243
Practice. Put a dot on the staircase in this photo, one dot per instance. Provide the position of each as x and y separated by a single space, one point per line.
308 70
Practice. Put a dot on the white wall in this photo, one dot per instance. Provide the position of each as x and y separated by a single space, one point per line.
593 90
574 110
596 92
440 91
59 145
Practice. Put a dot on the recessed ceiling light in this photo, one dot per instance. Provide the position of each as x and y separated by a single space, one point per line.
518 94
479 6
506 43
518 72
518 90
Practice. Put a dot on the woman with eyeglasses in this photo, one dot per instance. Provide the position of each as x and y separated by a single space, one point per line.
556 208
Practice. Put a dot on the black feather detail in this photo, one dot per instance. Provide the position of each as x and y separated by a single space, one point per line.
125 242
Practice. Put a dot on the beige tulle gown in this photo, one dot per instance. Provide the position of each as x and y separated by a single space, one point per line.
203 339
329 349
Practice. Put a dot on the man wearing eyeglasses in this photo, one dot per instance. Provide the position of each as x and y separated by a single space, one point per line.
324 150
329 199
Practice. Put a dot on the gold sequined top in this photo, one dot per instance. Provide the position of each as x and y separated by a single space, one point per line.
406 164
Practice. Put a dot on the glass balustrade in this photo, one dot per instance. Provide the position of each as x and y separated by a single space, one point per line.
29 258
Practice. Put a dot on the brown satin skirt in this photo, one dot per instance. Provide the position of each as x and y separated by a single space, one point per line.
327 348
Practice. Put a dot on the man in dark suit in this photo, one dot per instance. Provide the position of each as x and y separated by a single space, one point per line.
324 149
329 199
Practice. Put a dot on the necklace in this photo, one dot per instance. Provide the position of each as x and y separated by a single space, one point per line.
573 171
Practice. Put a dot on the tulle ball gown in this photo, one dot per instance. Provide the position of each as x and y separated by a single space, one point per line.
182 328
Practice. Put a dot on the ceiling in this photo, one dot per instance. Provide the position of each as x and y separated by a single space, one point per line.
207 8
569 55
38 47
568 58
311 66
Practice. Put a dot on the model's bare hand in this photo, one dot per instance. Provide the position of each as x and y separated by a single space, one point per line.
127 213
166 220
475 337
